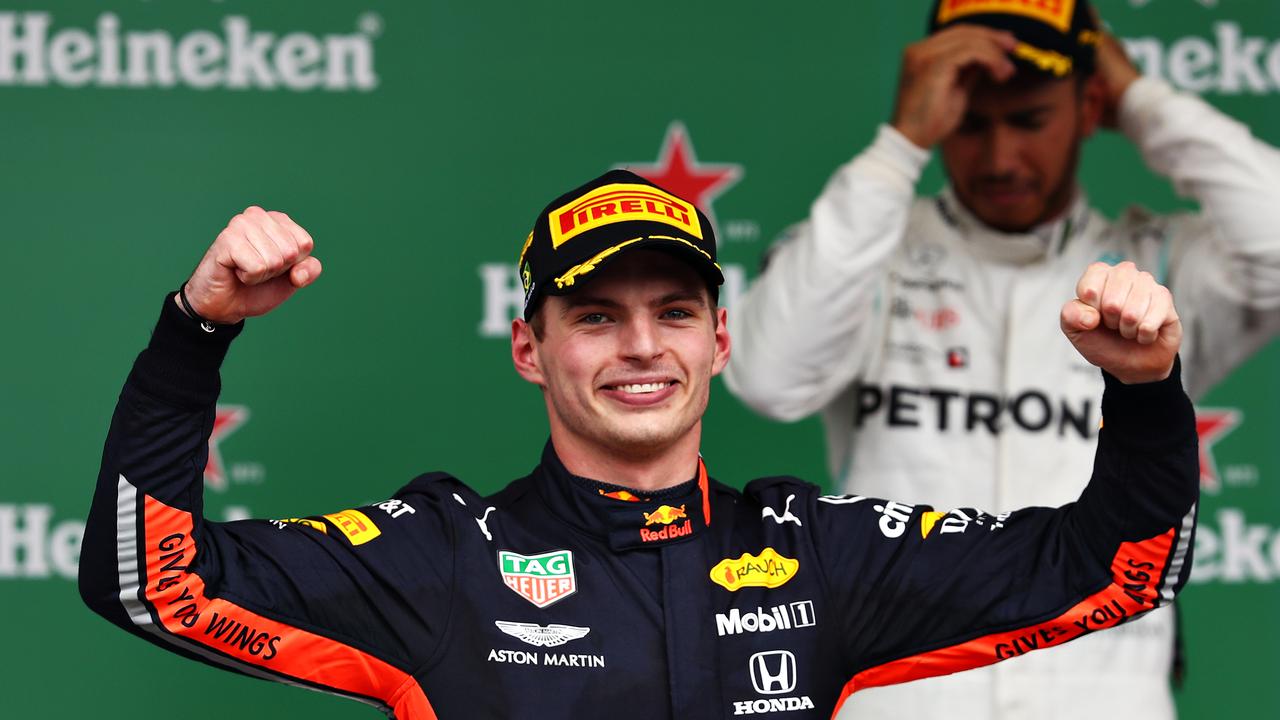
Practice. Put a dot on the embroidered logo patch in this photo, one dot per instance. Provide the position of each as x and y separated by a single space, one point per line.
540 579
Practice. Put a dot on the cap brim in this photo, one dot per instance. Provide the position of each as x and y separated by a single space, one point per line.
571 279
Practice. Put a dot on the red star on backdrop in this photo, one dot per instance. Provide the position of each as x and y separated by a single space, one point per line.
226 420
1212 424
678 170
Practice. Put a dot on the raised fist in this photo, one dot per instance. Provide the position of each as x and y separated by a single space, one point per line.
257 262
1124 322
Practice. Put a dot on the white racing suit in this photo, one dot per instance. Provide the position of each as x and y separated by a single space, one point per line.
931 345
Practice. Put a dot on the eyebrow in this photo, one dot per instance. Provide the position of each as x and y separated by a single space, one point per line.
578 300
1033 110
1021 112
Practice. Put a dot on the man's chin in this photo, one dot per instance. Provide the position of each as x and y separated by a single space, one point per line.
1009 218
644 439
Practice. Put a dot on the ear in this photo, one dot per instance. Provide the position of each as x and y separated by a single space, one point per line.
1093 103
723 342
524 353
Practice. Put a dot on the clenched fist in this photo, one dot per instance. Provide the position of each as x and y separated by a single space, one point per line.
257 262
1124 322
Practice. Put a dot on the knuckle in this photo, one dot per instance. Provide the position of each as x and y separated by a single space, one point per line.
252 267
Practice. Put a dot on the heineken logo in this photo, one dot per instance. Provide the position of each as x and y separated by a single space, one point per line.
540 579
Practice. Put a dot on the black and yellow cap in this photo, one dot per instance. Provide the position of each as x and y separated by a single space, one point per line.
1057 37
592 225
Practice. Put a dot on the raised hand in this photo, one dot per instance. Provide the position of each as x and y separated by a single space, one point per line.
1115 72
938 73
1124 322
257 262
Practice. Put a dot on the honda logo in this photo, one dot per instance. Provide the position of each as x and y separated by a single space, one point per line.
773 672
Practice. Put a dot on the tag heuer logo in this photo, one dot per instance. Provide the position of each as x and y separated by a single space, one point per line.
534 634
540 579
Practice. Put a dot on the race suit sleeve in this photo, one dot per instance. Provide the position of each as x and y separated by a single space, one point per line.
316 602
931 593
1224 264
801 332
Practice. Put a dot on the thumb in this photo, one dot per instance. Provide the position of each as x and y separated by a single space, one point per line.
1077 317
305 272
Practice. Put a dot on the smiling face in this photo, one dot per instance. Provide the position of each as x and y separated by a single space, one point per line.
1012 161
626 362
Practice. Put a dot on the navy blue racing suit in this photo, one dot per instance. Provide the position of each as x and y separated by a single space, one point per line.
562 596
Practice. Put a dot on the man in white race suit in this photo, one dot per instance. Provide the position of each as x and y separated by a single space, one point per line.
921 327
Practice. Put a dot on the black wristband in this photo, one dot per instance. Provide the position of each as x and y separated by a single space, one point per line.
205 325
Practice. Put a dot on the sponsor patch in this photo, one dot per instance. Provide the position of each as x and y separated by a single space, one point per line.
356 527
550 636
927 520
893 518
1056 13
540 579
768 570
621 202
788 616
667 533
313 524
665 515
773 672
786 515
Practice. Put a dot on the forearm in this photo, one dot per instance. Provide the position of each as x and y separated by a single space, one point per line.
797 330
1210 157
156 448
1145 482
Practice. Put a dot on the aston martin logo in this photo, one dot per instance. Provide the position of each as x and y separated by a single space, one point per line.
534 634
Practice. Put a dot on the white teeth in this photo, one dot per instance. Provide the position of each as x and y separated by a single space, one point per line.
642 388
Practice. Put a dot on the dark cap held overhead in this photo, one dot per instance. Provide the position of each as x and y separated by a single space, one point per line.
592 225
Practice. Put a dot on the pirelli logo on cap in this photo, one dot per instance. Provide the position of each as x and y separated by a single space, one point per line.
621 202
356 527
1050 12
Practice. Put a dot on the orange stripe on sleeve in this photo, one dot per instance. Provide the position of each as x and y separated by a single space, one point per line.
178 598
1135 570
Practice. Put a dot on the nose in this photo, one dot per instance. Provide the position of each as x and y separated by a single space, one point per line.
641 340
1003 147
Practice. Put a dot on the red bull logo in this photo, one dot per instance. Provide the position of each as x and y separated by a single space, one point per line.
670 532
664 515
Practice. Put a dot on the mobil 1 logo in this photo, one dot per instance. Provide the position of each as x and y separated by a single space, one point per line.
787 616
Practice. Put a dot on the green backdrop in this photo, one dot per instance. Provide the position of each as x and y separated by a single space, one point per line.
416 141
